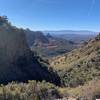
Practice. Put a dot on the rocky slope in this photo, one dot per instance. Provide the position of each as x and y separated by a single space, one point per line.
17 62
35 37
80 65
47 45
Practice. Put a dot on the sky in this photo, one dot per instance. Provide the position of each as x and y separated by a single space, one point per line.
53 14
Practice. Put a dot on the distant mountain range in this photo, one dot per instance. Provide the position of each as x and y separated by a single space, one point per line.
53 43
47 45
70 32
75 36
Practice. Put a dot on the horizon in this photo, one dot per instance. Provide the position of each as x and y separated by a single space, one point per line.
45 15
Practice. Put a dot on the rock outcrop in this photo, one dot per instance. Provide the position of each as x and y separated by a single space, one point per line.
17 62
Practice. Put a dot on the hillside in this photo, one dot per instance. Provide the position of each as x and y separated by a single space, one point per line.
17 62
80 65
76 73
35 37
47 45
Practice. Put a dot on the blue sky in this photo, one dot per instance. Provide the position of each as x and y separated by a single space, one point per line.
53 14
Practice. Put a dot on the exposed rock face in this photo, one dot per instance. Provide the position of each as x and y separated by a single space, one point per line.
17 62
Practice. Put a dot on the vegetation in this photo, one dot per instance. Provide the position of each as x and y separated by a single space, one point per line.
76 75
29 91
79 66
45 91
90 91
